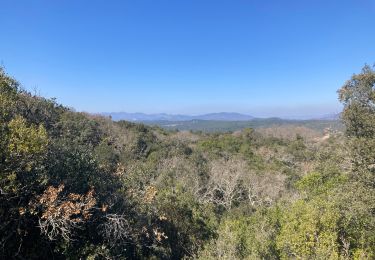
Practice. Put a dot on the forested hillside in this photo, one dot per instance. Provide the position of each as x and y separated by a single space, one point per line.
77 186
211 126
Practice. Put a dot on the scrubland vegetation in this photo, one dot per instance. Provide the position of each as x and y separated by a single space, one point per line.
211 126
78 186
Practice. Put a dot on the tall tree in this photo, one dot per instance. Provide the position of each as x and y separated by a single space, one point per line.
358 97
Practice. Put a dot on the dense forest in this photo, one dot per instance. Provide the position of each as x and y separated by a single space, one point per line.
80 186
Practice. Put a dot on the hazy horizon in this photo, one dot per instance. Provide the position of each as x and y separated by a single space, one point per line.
255 114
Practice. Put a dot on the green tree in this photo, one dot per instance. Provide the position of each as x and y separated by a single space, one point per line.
309 230
358 97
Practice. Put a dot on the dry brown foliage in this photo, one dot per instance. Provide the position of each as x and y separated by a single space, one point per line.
150 194
60 214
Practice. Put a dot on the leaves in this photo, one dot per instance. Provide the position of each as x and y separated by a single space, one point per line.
26 140
61 214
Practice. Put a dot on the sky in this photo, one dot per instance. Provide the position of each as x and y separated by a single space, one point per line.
263 58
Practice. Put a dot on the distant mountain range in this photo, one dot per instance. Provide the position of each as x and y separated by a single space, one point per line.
140 117
223 116
331 117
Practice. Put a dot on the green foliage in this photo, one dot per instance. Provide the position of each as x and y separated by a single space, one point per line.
309 230
299 150
24 140
25 150
226 143
187 224
78 129
316 183
358 97
245 237
8 96
211 126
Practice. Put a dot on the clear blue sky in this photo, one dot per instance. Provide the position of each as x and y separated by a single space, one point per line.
265 58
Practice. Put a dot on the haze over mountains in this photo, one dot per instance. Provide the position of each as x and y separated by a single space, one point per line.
222 116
